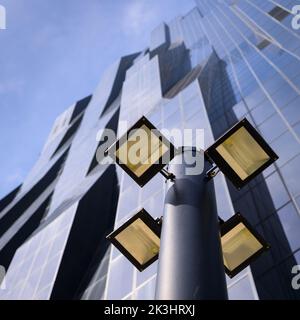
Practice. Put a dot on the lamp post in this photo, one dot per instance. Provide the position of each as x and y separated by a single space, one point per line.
194 252
190 259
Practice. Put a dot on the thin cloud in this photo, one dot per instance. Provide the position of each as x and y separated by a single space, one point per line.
138 15
53 44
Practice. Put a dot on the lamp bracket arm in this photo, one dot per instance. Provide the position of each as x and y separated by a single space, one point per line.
212 172
168 175
159 221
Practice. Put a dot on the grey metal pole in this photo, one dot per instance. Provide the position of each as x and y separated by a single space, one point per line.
190 260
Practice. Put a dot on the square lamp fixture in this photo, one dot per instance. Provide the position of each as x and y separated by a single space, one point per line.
241 153
241 244
142 151
138 239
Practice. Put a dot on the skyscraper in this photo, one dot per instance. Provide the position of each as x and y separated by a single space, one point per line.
221 62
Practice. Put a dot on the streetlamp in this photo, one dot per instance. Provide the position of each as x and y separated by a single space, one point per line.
142 152
241 153
138 239
193 247
241 244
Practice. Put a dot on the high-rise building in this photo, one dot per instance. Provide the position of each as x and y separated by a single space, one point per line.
222 61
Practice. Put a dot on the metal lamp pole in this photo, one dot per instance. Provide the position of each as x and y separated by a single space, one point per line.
190 260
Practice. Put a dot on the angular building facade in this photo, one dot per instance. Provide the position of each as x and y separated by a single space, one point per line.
221 62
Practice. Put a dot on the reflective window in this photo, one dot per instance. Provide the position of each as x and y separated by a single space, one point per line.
191 107
273 84
267 128
277 191
262 112
43 294
297 256
298 201
241 290
128 202
194 122
96 291
255 98
57 245
241 275
120 278
269 170
291 173
155 205
147 273
155 116
174 121
127 181
284 95
286 147
115 251
41 256
297 129
147 292
240 110
34 257
48 273
171 107
290 221
30 285
296 80
152 187
292 111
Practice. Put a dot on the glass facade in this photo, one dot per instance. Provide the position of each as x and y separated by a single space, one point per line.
222 61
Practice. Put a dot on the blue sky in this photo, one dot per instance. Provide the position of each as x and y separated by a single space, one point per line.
52 54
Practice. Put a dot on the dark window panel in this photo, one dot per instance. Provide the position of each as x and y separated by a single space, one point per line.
24 203
290 221
263 44
278 13
113 125
8 252
174 65
4 202
182 84
87 244
80 107
125 64
291 174
69 134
